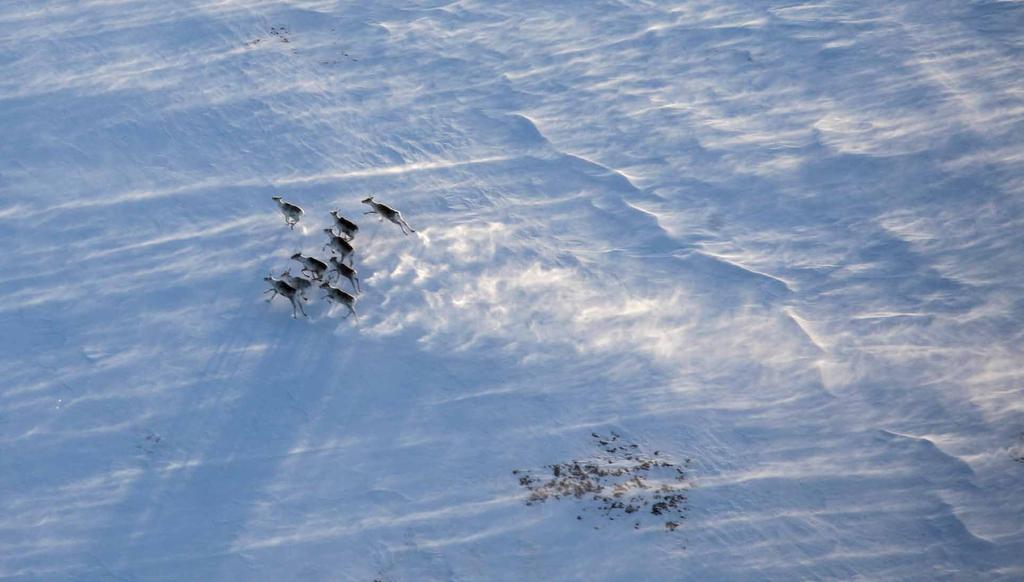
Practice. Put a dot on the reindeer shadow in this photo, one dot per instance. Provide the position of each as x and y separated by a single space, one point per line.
249 414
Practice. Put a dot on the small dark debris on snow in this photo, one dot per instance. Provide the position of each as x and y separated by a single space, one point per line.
150 444
281 32
618 484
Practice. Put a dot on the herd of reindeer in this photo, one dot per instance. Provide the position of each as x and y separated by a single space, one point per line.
294 288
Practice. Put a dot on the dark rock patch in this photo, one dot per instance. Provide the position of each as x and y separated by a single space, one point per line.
621 481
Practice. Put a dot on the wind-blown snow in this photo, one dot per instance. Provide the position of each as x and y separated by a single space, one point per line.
782 240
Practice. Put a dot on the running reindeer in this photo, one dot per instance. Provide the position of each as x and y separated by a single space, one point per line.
343 270
385 211
292 213
279 287
300 284
335 295
344 225
339 245
312 266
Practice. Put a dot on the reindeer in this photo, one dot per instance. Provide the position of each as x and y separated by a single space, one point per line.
385 211
292 213
335 295
346 271
279 287
339 245
300 284
312 266
344 225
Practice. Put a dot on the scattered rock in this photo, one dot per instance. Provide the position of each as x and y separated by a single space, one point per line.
622 482
281 32
151 444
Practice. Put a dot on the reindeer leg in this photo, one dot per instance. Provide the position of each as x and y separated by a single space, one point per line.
330 307
299 304
358 290
272 296
397 219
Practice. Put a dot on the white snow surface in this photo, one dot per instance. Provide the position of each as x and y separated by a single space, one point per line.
783 240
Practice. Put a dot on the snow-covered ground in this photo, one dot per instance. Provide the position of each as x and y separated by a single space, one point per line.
781 240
